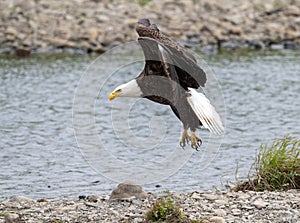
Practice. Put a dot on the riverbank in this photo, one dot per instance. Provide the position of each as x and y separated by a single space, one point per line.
211 205
86 26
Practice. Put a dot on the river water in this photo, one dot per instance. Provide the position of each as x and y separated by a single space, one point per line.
41 154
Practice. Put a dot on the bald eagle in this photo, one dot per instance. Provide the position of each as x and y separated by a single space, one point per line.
171 76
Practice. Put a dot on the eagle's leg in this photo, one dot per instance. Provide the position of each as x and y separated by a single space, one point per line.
195 141
185 137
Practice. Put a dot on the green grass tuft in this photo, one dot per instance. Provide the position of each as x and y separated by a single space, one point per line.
167 210
277 167
164 209
143 2
2 214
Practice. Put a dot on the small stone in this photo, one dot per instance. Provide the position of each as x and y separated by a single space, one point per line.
70 44
27 42
32 24
277 46
248 207
131 208
11 31
10 38
22 52
210 197
137 220
92 198
243 195
42 200
93 33
235 30
260 204
236 211
12 218
99 49
196 196
292 10
221 202
217 220
21 36
220 212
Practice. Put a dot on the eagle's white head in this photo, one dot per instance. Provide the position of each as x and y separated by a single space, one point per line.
130 89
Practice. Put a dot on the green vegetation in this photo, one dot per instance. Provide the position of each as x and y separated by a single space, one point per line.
277 167
2 214
279 4
143 2
140 2
168 211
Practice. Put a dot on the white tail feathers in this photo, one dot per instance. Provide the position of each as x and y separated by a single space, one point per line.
206 113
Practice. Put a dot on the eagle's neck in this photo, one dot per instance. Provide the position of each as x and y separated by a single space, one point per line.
131 89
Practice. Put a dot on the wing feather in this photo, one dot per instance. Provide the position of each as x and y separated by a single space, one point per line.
206 113
190 74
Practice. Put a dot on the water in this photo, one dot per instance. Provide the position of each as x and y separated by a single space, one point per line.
39 154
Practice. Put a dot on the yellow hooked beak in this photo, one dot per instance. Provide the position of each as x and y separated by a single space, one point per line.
113 95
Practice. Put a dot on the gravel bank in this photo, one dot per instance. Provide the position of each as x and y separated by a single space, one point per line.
215 206
95 26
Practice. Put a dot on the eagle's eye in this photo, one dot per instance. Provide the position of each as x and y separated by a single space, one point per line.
118 91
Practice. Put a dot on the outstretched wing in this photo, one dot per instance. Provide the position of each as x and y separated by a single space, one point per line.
157 59
159 70
189 73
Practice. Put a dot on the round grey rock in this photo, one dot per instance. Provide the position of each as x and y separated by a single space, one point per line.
128 191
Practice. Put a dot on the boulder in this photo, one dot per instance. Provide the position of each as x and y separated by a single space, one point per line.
128 190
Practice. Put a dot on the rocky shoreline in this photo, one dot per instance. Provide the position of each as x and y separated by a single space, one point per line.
87 26
214 206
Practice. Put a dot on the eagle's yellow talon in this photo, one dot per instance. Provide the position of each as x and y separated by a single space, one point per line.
195 141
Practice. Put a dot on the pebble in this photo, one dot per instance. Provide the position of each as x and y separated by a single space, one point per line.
220 212
92 198
11 31
210 197
236 211
11 218
217 220
260 204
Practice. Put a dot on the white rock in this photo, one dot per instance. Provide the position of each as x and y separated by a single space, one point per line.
236 211
196 196
211 197
217 220
221 202
260 204
220 212
11 31
243 195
